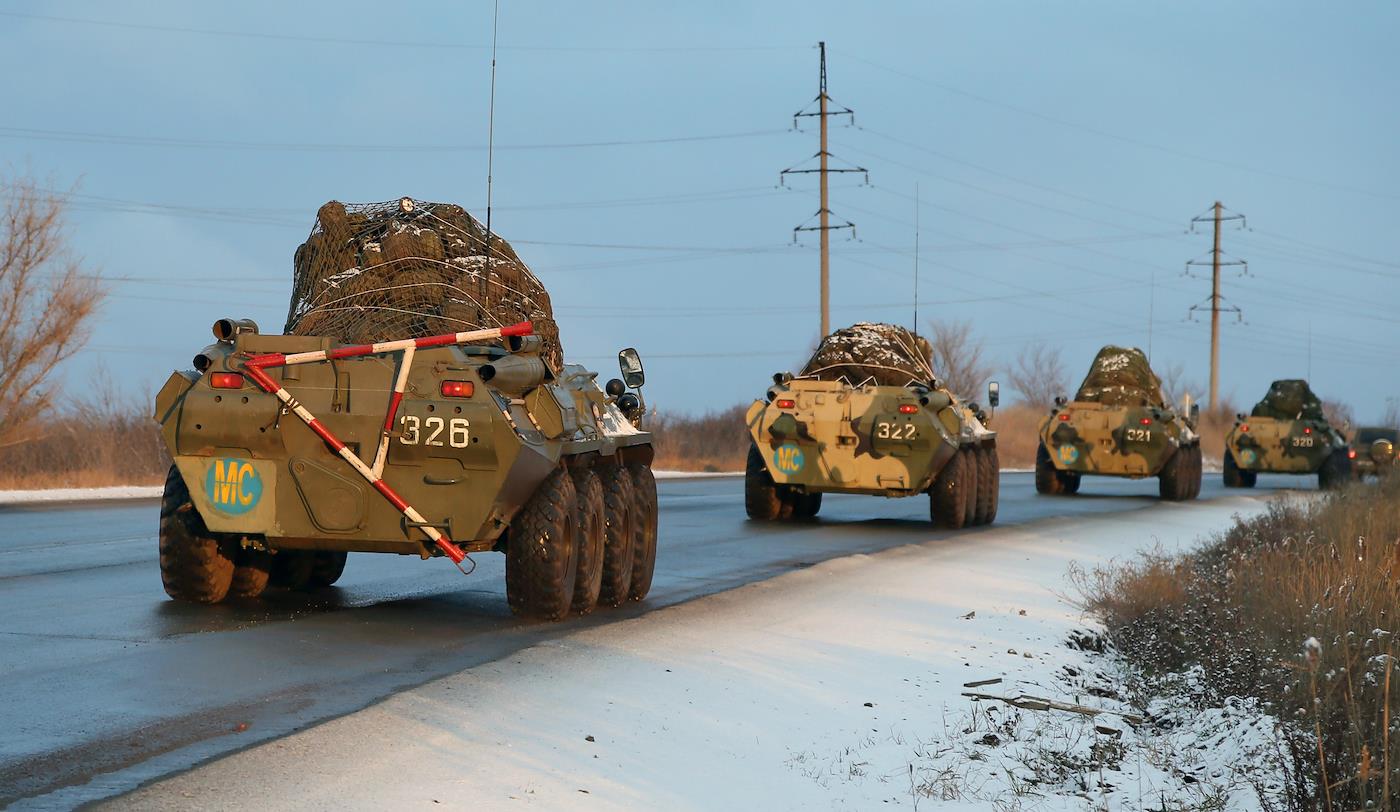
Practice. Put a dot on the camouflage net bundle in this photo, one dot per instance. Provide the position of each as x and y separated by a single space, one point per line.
1289 400
408 269
882 353
1121 376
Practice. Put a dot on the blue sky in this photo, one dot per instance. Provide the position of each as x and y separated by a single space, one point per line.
1059 151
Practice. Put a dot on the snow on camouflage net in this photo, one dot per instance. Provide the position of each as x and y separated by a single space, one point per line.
1290 399
1121 376
886 354
408 269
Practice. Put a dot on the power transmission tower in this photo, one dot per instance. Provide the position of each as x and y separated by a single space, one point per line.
1216 215
823 216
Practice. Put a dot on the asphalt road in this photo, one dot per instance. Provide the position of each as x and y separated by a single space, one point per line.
108 684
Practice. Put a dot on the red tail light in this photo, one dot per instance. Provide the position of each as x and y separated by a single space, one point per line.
1064 416
1244 427
226 380
1307 430
1351 453
907 408
784 403
458 389
1146 421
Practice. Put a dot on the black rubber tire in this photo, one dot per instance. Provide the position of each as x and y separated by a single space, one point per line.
251 570
1047 477
1069 482
762 500
1172 479
1250 478
291 569
592 538
619 508
195 564
541 551
644 557
948 494
995 466
805 505
972 472
987 485
1335 471
1231 472
326 568
1197 471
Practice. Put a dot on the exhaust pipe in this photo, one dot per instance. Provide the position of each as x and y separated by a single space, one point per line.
228 329
530 343
514 374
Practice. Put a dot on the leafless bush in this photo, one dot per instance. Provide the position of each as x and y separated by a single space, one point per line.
958 357
714 441
108 440
46 301
1038 375
1338 414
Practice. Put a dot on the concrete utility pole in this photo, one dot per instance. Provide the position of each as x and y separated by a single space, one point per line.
1217 216
823 215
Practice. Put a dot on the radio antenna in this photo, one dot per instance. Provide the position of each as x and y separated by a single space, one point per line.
490 153
916 258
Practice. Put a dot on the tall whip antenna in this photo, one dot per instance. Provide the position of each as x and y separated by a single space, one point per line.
490 153
916 258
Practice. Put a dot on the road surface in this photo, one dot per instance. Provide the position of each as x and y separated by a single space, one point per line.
111 685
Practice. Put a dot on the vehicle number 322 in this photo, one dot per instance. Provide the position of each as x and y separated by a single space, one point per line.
431 431
895 431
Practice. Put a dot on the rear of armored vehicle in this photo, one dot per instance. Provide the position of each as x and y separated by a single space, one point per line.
1373 451
1118 425
811 437
1286 433
446 449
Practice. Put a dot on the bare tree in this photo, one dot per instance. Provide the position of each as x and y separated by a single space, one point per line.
958 357
1392 413
1038 374
46 301
1338 414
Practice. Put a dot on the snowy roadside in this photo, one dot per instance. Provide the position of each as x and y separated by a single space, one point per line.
840 686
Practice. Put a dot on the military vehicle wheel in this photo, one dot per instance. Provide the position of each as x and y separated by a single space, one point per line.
1335 471
972 473
195 565
291 569
541 552
1173 481
949 492
805 505
1231 473
762 500
1047 478
620 549
326 568
250 573
1069 481
1197 471
988 485
592 539
644 557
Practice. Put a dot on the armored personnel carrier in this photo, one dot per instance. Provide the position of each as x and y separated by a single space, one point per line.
1118 424
866 415
291 451
1286 433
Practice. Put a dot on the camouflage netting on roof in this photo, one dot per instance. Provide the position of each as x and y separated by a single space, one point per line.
407 269
1121 376
1289 400
887 354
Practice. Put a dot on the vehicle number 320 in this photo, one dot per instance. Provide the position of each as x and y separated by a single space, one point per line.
1302 442
431 431
895 431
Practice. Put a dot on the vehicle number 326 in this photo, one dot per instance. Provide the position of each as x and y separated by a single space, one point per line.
431 431
895 431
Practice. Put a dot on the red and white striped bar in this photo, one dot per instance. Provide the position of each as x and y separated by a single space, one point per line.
254 367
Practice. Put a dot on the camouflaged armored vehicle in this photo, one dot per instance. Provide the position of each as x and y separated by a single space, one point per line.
866 415
291 451
1286 433
1119 425
1374 451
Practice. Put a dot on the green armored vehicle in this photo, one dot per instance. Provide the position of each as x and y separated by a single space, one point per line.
1119 425
1286 433
866 415
1374 451
291 451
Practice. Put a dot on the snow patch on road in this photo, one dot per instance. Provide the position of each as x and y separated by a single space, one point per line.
839 686
80 494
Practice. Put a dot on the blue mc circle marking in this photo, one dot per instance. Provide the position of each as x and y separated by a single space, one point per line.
1068 454
233 486
788 458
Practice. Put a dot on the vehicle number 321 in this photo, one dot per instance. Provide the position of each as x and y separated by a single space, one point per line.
895 431
1140 435
432 430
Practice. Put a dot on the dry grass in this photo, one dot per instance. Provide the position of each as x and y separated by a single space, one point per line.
88 445
714 441
1242 609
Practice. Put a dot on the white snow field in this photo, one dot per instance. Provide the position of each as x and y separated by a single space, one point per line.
838 687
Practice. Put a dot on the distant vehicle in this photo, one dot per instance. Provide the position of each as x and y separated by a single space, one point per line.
1286 433
1118 424
870 425
1373 451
